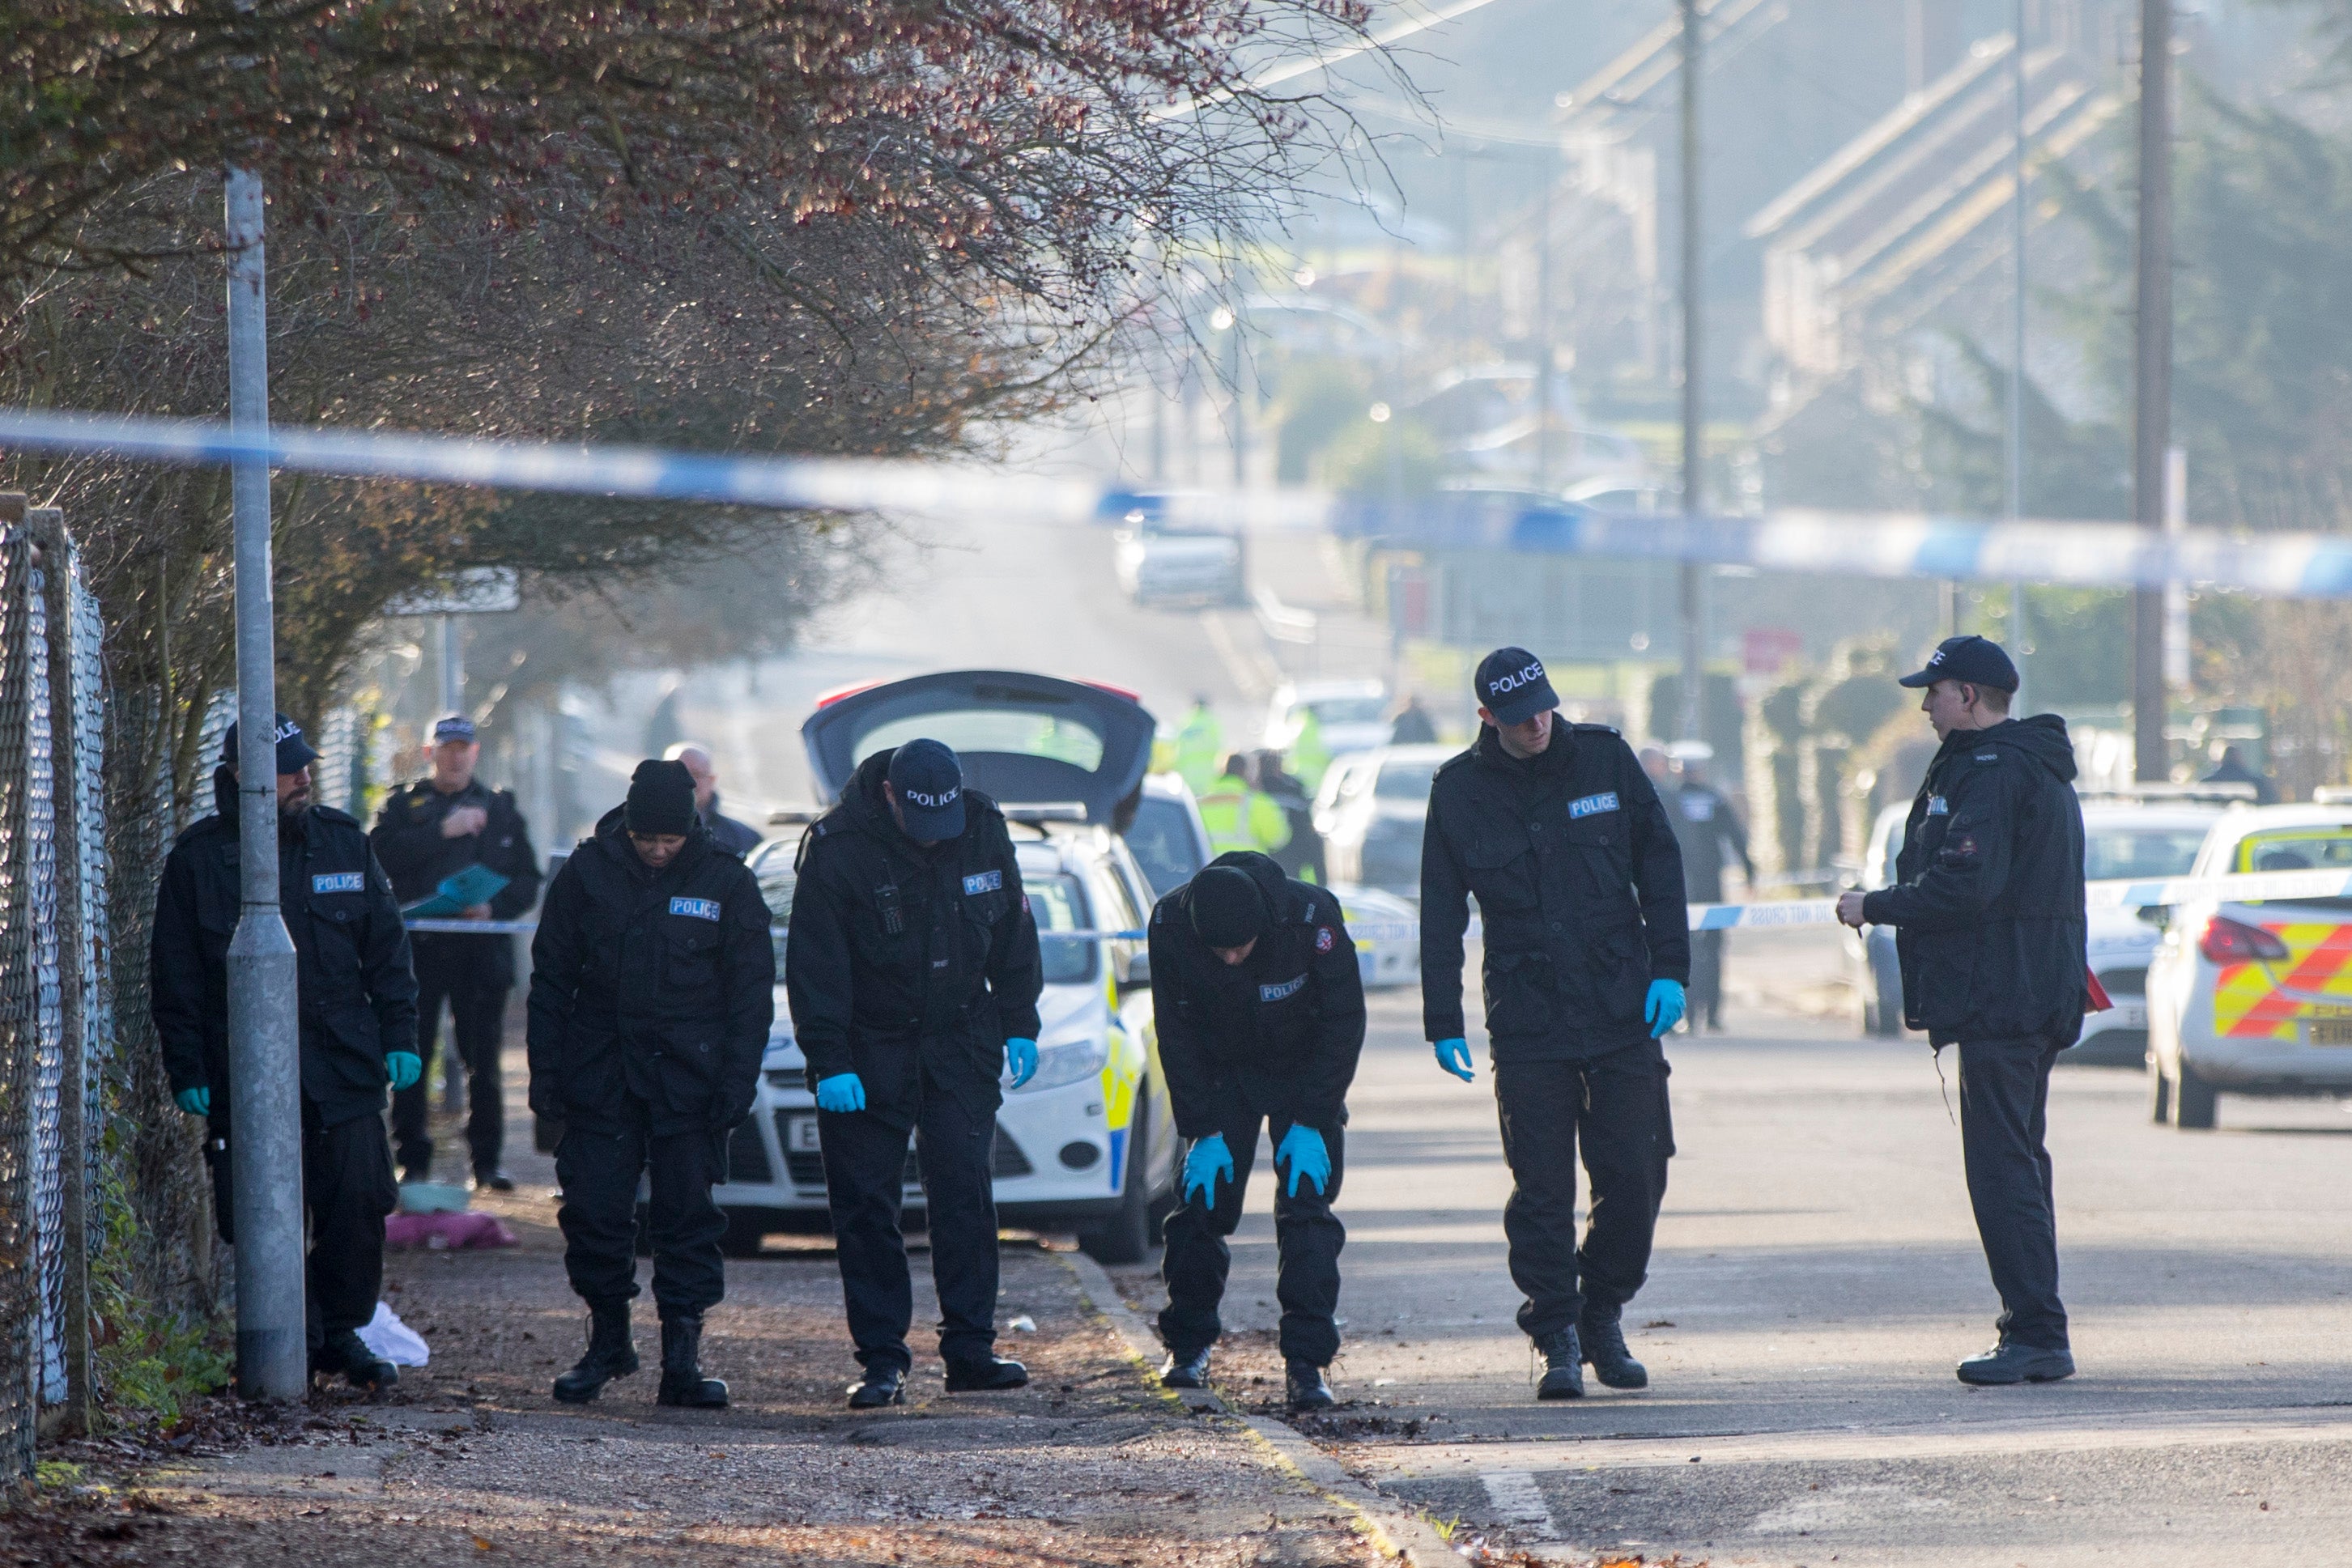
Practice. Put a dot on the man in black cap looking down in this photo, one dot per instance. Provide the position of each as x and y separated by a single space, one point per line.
913 971
1260 1008
1559 834
358 999
1988 910
652 987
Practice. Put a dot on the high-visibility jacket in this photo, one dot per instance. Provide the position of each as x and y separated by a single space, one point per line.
1309 756
1241 818
1200 749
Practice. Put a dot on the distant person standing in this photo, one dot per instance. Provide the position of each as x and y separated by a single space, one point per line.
1239 815
1199 745
1658 767
1301 855
736 838
1706 825
425 833
1988 910
2233 768
1412 725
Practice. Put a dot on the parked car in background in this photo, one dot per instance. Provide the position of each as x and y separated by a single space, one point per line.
1166 835
1386 930
1371 812
1353 714
2255 997
1160 563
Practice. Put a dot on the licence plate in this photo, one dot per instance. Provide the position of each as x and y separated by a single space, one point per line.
2328 1032
802 1135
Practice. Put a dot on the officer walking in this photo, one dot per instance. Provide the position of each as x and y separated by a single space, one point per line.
652 987
1986 906
358 999
913 971
1261 1016
425 833
1556 830
1707 825
738 838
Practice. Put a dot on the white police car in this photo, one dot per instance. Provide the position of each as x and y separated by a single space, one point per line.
1087 1145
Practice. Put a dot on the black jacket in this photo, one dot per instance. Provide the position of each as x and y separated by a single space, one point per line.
1277 1034
657 987
1704 823
1580 884
357 989
407 839
1988 898
738 838
906 963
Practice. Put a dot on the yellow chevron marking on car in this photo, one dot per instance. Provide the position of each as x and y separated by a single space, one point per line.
2251 1000
1120 1077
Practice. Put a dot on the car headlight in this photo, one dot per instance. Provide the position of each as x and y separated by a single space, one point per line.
1066 1063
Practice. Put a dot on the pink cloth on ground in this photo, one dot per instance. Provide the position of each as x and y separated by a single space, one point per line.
463 1229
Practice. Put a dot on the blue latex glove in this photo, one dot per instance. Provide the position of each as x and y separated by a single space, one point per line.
1454 1055
1304 1150
195 1102
1663 1010
842 1091
406 1067
1208 1159
1021 1055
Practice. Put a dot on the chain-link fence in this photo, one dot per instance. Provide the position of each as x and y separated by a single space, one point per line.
57 1008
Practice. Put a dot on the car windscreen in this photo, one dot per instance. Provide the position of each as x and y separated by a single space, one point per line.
1404 781
777 880
2296 849
1057 904
1161 839
988 729
2139 853
1349 710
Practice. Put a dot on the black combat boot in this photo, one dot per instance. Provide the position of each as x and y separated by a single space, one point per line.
1186 1369
985 1376
1604 1348
1304 1387
611 1355
682 1382
1563 1374
346 1352
881 1386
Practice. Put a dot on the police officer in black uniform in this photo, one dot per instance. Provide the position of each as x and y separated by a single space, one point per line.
358 999
1560 836
652 987
1261 1016
425 833
1988 910
913 972
1706 824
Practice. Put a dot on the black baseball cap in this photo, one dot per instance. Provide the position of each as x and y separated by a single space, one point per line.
1971 658
1511 685
928 782
455 726
294 753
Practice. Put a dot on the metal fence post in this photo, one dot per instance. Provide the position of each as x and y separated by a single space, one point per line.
20 1293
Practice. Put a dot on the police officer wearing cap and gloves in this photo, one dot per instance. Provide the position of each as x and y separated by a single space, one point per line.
358 1000
652 989
913 971
1560 836
1260 1007
1988 909
425 833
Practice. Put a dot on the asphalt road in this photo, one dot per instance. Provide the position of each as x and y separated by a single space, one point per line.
1817 1275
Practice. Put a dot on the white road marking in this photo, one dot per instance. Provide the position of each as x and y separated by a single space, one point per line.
1520 1502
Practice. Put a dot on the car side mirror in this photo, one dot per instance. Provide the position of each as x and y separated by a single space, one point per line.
1136 973
2157 914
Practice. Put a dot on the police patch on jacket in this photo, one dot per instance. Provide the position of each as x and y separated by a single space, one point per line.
340 882
1324 940
1938 807
982 882
1282 990
696 908
1593 805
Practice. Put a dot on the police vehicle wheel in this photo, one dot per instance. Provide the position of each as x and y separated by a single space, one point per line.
1126 1237
2159 1092
2193 1101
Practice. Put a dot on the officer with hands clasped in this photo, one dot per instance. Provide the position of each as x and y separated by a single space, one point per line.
1260 1007
651 988
1988 910
358 1000
425 833
913 971
1560 836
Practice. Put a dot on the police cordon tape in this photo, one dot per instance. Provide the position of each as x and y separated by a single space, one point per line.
1854 544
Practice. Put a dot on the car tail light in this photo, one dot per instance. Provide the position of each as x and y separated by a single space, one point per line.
2235 941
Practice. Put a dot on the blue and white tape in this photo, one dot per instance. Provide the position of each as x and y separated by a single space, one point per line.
1866 544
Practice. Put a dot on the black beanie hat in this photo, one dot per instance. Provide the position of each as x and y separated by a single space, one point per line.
1228 910
661 799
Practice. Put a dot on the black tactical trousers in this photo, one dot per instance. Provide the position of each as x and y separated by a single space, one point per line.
1615 1106
474 985
347 1190
1707 979
865 1176
599 1169
1306 1235
2004 1106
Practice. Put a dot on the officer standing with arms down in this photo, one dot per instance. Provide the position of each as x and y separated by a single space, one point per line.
652 987
1559 833
913 971
1706 824
1986 906
358 999
425 834
1260 1006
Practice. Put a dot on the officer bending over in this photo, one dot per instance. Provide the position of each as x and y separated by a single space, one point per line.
913 972
358 1000
1986 906
652 987
1559 834
1261 1016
